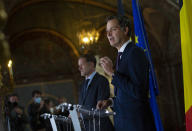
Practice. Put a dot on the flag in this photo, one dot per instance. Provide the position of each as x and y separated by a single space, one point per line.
186 49
141 41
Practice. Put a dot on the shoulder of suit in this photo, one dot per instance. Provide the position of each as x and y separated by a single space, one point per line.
100 76
134 47
133 50
103 78
138 49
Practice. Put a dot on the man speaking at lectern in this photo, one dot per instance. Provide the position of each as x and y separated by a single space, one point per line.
130 79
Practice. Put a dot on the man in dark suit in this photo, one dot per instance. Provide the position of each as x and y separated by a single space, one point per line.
94 88
130 79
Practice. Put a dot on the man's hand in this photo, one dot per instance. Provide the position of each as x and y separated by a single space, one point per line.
107 65
41 105
18 110
103 104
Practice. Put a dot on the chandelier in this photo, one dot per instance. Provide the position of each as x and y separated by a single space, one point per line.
88 37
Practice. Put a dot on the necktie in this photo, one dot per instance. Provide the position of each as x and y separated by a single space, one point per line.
85 86
118 59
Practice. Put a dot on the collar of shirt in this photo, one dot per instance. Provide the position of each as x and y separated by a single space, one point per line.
124 45
90 78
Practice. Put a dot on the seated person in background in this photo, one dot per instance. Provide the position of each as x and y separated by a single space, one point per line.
47 108
18 119
34 111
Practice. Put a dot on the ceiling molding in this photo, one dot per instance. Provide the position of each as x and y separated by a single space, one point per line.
88 2
20 35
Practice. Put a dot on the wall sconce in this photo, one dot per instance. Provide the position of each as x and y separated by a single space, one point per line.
10 69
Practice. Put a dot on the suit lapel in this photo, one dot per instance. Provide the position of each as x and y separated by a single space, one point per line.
125 52
82 93
90 87
123 57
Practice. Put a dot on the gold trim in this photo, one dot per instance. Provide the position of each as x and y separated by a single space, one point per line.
43 83
101 28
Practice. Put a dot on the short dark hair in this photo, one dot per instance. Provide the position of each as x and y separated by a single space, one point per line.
123 22
47 101
13 94
89 58
36 92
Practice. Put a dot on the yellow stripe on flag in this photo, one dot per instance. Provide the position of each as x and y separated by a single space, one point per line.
186 47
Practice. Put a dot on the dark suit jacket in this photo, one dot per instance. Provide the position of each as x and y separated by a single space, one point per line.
97 90
131 102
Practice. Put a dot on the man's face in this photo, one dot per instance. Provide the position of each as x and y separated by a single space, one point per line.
37 98
13 99
85 67
37 95
115 34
